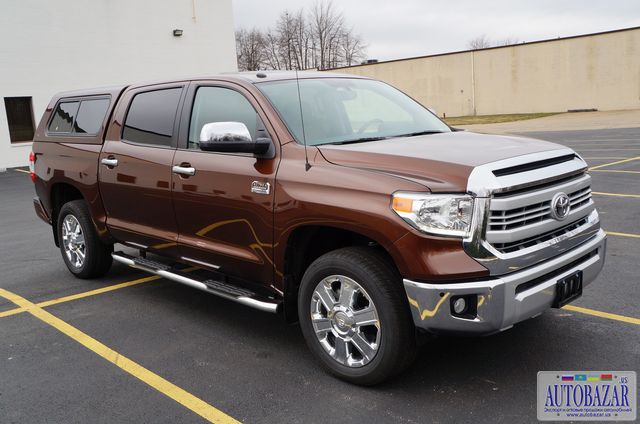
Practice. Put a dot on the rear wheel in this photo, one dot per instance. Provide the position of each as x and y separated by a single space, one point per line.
83 252
354 316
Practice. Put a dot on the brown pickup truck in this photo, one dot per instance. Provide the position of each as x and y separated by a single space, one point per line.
337 201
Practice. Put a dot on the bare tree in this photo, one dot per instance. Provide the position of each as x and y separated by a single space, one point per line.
508 41
299 40
250 49
480 42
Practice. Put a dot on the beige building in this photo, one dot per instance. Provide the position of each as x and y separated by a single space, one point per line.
600 71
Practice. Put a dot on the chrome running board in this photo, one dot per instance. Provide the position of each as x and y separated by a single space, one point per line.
215 287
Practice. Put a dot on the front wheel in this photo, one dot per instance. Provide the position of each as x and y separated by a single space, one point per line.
355 317
83 252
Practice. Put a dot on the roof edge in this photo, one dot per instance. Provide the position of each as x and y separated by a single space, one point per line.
547 40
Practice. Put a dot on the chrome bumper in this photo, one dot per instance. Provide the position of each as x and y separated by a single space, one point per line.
499 304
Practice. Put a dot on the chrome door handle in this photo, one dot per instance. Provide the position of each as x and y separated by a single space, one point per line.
109 162
184 170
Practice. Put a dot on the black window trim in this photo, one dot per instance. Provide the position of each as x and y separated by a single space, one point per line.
187 110
78 99
176 122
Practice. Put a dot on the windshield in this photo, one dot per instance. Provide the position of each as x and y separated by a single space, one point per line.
344 110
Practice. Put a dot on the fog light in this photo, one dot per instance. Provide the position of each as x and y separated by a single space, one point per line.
459 306
465 306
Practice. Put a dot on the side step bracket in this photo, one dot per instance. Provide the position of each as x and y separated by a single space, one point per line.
218 288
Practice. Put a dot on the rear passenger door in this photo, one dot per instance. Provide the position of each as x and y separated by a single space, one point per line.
135 168
225 221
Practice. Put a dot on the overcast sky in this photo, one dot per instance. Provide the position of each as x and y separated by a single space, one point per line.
403 28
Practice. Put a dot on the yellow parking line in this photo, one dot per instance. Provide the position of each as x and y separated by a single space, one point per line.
89 293
165 387
601 314
22 170
614 163
601 193
612 233
614 170
81 295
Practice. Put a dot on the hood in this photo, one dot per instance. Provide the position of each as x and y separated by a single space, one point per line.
442 162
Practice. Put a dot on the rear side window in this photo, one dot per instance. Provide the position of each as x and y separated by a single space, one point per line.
84 117
151 117
63 117
90 116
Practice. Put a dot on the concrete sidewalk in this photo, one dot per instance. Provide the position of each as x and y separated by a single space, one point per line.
564 122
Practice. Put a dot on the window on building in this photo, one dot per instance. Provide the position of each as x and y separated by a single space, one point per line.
19 118
151 117
63 117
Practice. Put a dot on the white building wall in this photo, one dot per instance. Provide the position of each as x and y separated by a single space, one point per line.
50 46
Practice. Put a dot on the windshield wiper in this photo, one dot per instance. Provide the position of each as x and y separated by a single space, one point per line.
356 140
413 134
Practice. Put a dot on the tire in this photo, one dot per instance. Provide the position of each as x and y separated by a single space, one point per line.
80 237
337 336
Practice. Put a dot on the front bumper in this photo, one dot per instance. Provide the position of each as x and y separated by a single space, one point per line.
503 301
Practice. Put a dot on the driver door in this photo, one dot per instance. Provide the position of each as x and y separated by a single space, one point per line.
224 223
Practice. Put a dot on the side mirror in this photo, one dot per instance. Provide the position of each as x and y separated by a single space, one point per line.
231 137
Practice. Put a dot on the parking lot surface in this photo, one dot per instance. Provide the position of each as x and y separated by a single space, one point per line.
155 351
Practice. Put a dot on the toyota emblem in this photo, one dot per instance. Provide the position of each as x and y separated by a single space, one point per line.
560 206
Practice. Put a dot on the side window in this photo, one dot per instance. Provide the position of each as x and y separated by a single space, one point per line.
216 104
63 117
151 117
83 116
90 116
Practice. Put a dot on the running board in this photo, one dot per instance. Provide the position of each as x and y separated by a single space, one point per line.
218 288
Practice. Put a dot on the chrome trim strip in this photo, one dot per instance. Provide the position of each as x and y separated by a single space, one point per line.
138 245
207 264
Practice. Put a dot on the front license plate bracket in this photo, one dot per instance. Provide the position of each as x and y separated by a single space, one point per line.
568 289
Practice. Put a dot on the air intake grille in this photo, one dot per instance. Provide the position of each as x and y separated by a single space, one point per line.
533 213
532 241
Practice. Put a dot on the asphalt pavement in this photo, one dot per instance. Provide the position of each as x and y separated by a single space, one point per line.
253 367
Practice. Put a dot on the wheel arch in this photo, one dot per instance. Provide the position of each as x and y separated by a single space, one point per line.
61 193
315 241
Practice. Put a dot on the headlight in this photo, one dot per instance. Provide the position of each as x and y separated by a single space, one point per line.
441 214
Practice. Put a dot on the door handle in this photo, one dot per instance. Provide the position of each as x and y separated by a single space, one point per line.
110 162
184 170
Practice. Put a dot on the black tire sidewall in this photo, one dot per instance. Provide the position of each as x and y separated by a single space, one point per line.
393 322
78 209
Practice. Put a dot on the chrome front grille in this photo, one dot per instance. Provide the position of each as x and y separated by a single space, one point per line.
522 219
532 241
514 226
533 213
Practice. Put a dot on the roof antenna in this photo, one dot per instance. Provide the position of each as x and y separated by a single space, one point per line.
307 165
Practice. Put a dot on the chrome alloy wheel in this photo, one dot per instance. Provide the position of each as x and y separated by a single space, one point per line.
73 241
345 321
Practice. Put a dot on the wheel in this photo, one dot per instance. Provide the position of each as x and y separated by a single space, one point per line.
355 317
83 252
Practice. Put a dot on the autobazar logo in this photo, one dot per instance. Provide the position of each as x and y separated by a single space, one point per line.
587 396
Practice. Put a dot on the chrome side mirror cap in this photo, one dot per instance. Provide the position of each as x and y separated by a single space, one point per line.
224 132
234 137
